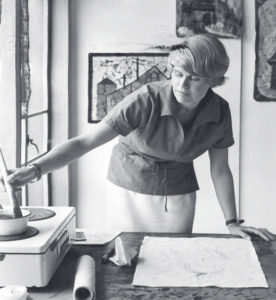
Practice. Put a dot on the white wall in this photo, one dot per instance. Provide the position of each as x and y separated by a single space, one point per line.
258 146
108 26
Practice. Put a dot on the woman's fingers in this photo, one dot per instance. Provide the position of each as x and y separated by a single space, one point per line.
263 233
20 177
16 178
257 232
11 179
269 234
244 232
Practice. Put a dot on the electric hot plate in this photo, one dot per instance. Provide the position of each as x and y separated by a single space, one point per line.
37 214
40 213
29 232
33 261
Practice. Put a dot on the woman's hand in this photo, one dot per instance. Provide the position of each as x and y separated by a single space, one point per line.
19 177
245 231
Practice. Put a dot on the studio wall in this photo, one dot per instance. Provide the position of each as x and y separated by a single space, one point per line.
258 139
133 26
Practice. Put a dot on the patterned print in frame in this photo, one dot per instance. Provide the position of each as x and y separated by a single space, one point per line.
223 18
265 63
112 76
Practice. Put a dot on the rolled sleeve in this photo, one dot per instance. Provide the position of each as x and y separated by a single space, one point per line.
131 113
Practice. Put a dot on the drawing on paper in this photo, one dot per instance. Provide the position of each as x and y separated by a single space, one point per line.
198 262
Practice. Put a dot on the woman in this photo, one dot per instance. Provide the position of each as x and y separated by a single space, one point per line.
163 127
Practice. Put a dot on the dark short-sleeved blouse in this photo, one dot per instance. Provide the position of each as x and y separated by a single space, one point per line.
155 153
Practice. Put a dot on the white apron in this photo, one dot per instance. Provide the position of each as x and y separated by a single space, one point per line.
135 212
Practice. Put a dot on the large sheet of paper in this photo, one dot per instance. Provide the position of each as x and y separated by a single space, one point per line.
198 262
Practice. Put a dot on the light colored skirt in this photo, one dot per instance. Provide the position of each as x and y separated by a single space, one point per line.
135 212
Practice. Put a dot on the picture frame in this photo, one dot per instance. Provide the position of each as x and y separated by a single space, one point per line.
265 62
112 76
222 18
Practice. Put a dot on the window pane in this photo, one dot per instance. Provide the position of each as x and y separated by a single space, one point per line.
36 104
37 56
35 193
36 136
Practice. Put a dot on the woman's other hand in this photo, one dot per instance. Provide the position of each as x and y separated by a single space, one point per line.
245 231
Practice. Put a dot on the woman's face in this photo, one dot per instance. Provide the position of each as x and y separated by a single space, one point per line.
188 89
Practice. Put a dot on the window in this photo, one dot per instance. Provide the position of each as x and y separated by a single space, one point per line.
35 110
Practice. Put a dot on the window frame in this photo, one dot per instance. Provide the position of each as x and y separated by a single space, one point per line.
45 113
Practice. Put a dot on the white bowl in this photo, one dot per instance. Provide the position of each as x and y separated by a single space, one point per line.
10 225
13 292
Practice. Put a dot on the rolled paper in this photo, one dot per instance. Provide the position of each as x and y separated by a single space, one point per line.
13 292
84 285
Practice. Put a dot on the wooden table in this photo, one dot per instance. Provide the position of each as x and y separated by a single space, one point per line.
113 282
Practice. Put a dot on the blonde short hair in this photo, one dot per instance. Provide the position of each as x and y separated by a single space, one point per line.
202 55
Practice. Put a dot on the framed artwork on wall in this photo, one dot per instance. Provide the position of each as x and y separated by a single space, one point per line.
112 76
265 51
223 18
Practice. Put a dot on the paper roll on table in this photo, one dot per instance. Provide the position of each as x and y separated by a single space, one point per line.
84 286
